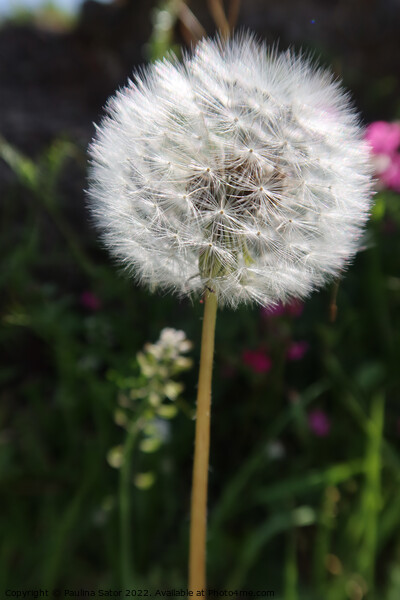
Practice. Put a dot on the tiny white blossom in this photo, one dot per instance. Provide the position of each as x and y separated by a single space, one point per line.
170 345
241 169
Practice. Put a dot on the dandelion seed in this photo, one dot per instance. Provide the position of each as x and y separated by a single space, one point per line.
265 139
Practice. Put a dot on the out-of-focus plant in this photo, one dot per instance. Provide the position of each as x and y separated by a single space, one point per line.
146 402
165 17
40 178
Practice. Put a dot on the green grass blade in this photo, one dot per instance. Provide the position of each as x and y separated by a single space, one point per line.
304 484
254 543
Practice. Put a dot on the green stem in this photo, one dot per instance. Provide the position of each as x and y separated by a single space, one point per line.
125 485
322 540
291 571
198 520
372 492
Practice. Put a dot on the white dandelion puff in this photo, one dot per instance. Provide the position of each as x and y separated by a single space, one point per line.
240 169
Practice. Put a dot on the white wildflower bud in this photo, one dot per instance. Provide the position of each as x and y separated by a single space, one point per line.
172 389
174 339
120 418
183 363
115 457
147 367
242 170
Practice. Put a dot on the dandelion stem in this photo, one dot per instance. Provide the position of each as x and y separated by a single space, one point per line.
198 523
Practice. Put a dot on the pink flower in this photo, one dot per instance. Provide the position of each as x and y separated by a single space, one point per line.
294 308
90 301
257 360
383 137
273 311
319 423
391 176
296 350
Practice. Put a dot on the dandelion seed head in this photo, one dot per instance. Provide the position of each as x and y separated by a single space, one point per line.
240 168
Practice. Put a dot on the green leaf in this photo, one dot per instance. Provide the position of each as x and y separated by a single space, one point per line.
378 210
22 166
254 543
370 375
300 485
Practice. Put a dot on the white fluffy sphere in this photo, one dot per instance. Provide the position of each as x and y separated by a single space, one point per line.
242 170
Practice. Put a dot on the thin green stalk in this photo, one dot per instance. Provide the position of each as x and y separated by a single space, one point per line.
371 502
253 544
198 519
61 538
291 571
125 485
322 541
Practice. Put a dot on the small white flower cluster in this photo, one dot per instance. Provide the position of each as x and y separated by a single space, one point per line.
171 344
159 363
147 403
242 170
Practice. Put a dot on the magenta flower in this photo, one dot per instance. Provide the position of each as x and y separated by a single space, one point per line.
297 350
319 423
294 308
383 137
391 176
384 140
273 311
257 360
90 301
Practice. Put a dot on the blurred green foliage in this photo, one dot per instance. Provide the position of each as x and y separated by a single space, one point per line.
310 516
48 14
